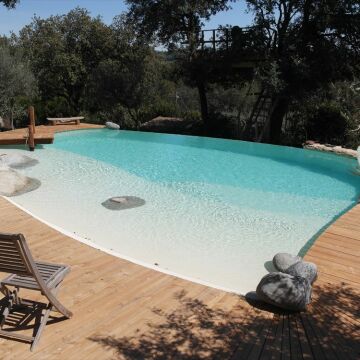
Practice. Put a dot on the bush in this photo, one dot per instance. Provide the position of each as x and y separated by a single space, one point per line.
327 124
118 115
158 109
194 116
221 125
58 107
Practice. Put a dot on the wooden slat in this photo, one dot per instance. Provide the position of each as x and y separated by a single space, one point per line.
66 119
16 336
48 272
295 346
269 344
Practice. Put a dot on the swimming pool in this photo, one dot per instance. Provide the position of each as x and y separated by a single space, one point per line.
215 210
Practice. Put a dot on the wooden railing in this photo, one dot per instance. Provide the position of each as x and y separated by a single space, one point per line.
221 38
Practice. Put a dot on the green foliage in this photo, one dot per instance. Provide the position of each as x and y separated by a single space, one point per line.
307 45
10 4
327 115
116 114
194 116
175 24
17 84
175 21
63 51
305 51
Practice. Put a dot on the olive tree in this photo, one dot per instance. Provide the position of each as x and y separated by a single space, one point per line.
63 51
16 83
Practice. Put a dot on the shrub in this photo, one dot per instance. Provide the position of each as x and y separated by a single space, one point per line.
327 124
194 116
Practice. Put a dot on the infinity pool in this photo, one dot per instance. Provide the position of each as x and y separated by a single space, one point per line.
216 211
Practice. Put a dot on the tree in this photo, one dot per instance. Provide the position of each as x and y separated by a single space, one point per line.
16 81
63 51
10 4
128 77
310 43
174 24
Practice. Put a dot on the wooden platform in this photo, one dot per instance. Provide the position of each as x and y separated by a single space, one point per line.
62 121
125 311
43 134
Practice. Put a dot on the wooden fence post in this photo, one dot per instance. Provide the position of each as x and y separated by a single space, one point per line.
32 117
31 112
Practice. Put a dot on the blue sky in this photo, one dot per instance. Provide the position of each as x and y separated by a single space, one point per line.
14 20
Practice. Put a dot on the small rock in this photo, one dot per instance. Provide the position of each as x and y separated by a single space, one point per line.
111 125
282 261
304 269
123 202
17 160
12 183
285 291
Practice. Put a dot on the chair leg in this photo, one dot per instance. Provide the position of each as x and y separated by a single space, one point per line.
4 290
45 318
43 322
11 299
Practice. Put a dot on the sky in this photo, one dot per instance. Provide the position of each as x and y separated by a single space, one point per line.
14 20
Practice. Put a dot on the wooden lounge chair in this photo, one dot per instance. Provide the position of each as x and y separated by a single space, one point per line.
56 121
16 259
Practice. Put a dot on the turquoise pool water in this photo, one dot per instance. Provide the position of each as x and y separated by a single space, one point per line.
216 210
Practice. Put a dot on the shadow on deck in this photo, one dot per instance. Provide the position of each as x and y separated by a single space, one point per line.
195 331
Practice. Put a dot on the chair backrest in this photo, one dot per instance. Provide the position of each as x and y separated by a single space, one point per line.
15 256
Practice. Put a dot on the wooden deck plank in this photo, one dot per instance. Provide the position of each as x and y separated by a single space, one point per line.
276 353
338 344
295 346
312 339
114 304
268 347
306 349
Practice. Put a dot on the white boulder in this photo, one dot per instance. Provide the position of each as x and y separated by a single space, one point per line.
17 160
111 125
13 183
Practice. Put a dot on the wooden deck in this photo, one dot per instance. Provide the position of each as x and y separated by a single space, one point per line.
125 311
43 134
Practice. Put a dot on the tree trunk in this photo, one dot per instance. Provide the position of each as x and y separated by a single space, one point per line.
276 120
203 104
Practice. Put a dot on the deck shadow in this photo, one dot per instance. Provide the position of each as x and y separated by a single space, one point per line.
193 330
